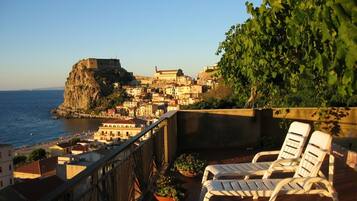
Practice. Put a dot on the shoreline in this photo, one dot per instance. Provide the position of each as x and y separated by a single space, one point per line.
72 114
26 149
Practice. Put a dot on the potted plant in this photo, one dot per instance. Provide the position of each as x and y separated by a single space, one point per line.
189 165
167 189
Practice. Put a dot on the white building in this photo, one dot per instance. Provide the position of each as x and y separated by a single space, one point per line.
167 75
130 104
135 91
6 165
173 107
119 129
147 110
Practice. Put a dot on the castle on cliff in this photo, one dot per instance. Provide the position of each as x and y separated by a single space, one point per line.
94 63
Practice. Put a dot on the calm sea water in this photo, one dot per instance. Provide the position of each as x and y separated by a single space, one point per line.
25 118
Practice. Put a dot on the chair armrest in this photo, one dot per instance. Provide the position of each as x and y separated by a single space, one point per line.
306 182
278 166
292 161
264 153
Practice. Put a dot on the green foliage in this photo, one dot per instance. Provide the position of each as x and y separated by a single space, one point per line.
37 154
74 140
294 53
219 97
110 82
106 77
117 97
166 186
214 103
19 160
190 163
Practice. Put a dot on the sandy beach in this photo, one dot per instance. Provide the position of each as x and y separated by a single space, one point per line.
25 150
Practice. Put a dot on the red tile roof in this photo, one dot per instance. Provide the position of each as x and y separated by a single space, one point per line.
64 144
44 167
79 147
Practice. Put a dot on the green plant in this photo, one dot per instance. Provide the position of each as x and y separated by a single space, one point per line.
166 186
19 160
293 53
74 140
190 163
37 154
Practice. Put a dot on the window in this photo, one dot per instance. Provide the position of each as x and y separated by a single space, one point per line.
9 152
0 154
0 169
1 183
10 167
10 181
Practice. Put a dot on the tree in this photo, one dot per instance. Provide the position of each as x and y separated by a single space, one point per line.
293 53
37 154
20 159
74 140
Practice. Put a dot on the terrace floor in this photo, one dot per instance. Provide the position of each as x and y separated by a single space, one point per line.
345 178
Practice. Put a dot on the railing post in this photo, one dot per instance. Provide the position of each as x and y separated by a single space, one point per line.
331 168
166 142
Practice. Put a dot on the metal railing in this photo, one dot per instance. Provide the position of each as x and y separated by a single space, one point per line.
126 173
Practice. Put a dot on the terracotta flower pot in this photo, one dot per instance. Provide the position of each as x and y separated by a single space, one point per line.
159 198
187 173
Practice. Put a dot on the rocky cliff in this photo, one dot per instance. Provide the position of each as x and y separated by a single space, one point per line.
89 82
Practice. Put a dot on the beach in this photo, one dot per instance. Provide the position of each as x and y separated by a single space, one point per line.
25 150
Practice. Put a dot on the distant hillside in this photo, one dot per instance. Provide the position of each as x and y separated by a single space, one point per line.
48 88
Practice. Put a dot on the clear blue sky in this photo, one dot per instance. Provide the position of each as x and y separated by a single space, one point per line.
40 40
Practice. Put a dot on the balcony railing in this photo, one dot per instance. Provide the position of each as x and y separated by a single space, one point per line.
128 172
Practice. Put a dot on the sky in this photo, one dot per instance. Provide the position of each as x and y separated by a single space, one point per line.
41 40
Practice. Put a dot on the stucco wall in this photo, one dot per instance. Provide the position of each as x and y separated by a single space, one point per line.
243 128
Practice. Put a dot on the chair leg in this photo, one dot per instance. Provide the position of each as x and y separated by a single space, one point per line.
203 192
334 196
205 176
207 196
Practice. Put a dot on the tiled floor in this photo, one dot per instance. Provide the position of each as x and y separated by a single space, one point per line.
345 178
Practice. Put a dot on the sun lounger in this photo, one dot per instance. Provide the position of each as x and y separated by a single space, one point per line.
304 181
291 151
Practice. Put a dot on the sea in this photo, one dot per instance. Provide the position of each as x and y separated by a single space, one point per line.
26 119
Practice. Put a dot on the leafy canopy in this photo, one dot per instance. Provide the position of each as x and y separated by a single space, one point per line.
37 154
294 53
19 160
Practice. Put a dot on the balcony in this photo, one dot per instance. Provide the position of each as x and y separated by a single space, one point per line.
220 136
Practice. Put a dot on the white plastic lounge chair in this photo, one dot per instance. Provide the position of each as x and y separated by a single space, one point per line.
291 149
304 181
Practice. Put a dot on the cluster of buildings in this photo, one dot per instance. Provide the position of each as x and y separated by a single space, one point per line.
167 90
65 160
149 99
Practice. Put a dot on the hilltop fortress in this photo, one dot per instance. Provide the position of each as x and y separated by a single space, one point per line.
93 63
90 82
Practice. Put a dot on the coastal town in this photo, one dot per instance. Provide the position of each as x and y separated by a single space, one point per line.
62 159
167 90
178 100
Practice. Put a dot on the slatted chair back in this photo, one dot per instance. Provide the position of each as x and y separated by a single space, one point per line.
295 140
319 145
